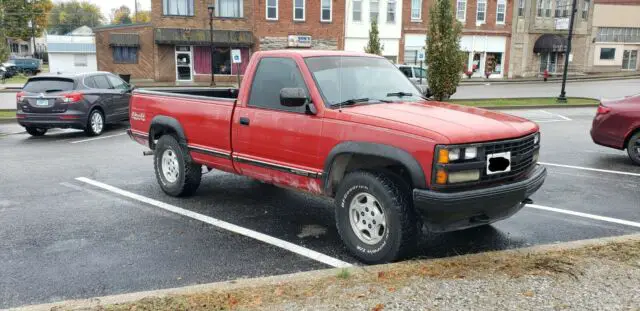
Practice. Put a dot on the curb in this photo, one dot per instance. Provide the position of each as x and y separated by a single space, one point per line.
7 120
536 107
84 304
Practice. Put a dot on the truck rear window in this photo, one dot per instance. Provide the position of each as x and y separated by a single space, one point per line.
44 85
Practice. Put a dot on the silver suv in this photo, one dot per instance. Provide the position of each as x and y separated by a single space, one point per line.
418 76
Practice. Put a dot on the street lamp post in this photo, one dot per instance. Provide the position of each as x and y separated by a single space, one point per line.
211 9
563 95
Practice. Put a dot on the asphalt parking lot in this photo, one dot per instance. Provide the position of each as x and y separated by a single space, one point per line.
85 217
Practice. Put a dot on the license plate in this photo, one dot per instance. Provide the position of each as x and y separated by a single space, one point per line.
42 102
499 163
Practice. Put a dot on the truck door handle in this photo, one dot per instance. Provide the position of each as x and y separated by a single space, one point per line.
244 121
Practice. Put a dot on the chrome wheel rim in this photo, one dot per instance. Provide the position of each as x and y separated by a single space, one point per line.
96 122
170 168
367 218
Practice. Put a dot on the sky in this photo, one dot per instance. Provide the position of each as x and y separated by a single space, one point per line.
107 5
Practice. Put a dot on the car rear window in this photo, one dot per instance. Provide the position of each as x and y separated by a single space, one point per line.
48 85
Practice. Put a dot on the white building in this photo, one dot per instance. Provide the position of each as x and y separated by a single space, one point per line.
359 14
72 53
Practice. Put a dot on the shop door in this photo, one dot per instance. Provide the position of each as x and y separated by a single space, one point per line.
548 61
184 64
630 60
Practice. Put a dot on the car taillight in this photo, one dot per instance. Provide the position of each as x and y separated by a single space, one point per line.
603 109
72 98
19 96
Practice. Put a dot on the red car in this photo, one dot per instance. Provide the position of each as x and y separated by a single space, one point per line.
352 127
617 125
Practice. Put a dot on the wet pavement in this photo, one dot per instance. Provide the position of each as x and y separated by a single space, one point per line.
61 238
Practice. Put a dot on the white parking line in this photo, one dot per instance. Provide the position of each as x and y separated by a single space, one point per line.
591 169
556 115
96 138
224 225
585 215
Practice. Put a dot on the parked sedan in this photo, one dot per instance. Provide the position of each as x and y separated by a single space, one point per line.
86 101
617 125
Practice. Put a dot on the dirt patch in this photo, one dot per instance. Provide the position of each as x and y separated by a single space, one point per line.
512 264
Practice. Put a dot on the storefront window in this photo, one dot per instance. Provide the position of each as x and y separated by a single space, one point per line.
494 63
222 60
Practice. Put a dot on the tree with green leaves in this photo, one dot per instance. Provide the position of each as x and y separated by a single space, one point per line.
122 15
18 15
444 58
67 16
374 46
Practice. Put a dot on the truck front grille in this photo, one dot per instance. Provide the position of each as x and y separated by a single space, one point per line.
522 151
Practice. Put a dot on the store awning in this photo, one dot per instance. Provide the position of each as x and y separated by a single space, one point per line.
550 43
231 38
124 39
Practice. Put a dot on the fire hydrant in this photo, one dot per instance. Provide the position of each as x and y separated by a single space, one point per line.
546 75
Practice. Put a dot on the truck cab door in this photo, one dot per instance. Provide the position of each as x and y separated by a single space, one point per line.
272 142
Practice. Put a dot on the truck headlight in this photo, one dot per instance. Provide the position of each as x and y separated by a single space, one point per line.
454 155
470 153
536 138
464 176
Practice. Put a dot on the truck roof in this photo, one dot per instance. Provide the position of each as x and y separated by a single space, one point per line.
315 53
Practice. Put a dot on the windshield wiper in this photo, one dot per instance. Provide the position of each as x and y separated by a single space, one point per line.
354 101
399 94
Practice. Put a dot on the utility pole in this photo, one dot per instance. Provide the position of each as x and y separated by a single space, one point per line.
563 95
135 11
211 9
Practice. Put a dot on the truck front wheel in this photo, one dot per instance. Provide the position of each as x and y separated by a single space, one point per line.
176 173
375 217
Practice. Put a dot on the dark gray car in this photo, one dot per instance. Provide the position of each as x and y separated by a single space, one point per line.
86 101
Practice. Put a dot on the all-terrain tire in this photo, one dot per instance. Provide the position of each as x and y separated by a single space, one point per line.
189 174
399 238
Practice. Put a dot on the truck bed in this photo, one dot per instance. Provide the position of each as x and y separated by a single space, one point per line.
203 113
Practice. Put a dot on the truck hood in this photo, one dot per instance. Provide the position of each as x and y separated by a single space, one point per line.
460 124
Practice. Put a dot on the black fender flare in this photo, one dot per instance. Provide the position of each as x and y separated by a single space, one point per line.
373 149
164 122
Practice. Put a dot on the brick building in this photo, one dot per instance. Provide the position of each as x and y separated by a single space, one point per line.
616 33
486 33
175 45
539 37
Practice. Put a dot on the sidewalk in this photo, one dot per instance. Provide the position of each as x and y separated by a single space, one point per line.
600 274
556 78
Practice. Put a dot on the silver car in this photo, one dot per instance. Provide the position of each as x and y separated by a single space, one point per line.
418 76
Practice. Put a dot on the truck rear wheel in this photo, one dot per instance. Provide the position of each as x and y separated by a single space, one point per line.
176 173
375 217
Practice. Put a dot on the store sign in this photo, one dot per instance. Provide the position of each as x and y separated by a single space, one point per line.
299 41
562 23
235 56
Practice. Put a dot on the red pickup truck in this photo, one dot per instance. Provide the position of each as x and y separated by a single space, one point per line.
352 127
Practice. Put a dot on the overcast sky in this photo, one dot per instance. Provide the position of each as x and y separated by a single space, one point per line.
107 5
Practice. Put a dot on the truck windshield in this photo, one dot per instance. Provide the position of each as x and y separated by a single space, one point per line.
343 78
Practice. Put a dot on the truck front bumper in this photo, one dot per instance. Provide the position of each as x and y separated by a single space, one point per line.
442 212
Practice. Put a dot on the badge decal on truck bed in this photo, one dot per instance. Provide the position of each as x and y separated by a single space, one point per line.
138 116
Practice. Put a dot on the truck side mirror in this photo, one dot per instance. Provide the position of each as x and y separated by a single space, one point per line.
293 97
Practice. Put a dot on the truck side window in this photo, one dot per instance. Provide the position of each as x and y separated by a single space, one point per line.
272 75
